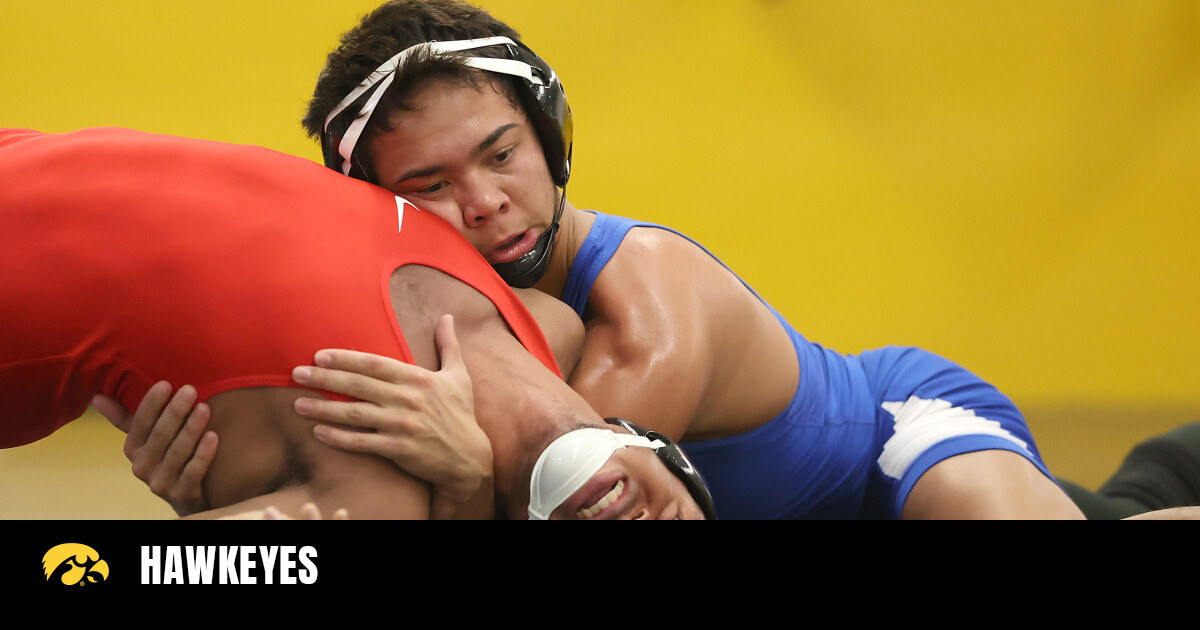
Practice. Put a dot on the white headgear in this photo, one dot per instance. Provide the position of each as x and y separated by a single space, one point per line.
567 464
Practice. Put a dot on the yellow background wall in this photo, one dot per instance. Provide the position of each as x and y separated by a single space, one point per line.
1012 184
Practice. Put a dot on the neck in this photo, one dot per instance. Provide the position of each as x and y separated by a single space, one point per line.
572 230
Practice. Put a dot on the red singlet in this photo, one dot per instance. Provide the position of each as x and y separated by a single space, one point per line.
130 258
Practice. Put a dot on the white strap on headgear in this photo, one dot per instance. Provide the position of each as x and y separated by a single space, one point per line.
386 72
567 464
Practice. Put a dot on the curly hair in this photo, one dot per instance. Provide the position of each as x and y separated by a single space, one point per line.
391 28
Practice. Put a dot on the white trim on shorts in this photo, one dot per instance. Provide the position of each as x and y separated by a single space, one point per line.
921 423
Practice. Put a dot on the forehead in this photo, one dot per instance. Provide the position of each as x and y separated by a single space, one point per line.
438 103
444 120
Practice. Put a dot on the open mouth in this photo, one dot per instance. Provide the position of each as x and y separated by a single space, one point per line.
514 248
605 501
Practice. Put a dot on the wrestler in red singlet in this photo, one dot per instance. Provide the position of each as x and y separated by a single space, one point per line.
130 258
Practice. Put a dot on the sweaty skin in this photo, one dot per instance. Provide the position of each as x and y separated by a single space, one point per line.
270 457
673 340
518 427
690 359
285 281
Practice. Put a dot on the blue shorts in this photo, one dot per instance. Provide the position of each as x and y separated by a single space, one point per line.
860 432
929 409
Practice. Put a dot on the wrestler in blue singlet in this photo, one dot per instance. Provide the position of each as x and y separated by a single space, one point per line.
859 432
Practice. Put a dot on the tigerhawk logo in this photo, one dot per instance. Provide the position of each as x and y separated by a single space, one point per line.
74 564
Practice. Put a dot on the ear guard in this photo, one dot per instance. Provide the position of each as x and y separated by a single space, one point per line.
678 463
540 92
569 462
539 89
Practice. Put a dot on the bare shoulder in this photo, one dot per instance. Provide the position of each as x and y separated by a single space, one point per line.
665 249
560 325
649 293
658 268
661 279
678 340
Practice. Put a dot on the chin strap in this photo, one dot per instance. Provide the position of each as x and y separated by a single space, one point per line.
525 271
672 455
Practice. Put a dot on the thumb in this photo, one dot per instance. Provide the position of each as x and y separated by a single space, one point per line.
449 352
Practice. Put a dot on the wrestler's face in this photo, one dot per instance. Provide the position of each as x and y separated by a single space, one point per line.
633 485
472 158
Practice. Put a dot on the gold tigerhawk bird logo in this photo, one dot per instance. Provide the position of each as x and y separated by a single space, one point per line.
74 564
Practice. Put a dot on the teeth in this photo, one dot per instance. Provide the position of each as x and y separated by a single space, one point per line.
605 501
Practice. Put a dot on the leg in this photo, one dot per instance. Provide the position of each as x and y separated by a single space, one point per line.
953 445
991 484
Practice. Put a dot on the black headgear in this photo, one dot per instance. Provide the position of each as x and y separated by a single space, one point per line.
678 463
540 91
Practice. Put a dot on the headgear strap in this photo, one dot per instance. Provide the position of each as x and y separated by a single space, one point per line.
382 77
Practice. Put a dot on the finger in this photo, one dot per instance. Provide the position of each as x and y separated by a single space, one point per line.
198 465
371 365
341 515
146 414
342 382
183 446
166 427
356 441
189 487
272 513
113 411
310 512
449 351
356 414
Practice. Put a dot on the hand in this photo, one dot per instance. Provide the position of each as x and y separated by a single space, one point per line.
422 420
166 443
308 512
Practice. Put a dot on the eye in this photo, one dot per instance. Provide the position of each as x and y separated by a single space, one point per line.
429 190
504 155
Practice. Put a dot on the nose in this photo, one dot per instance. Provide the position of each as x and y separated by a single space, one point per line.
481 200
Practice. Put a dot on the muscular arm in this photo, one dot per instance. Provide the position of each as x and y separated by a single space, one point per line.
678 344
422 420
519 403
560 325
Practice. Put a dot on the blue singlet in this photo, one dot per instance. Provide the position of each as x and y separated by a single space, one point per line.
859 432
